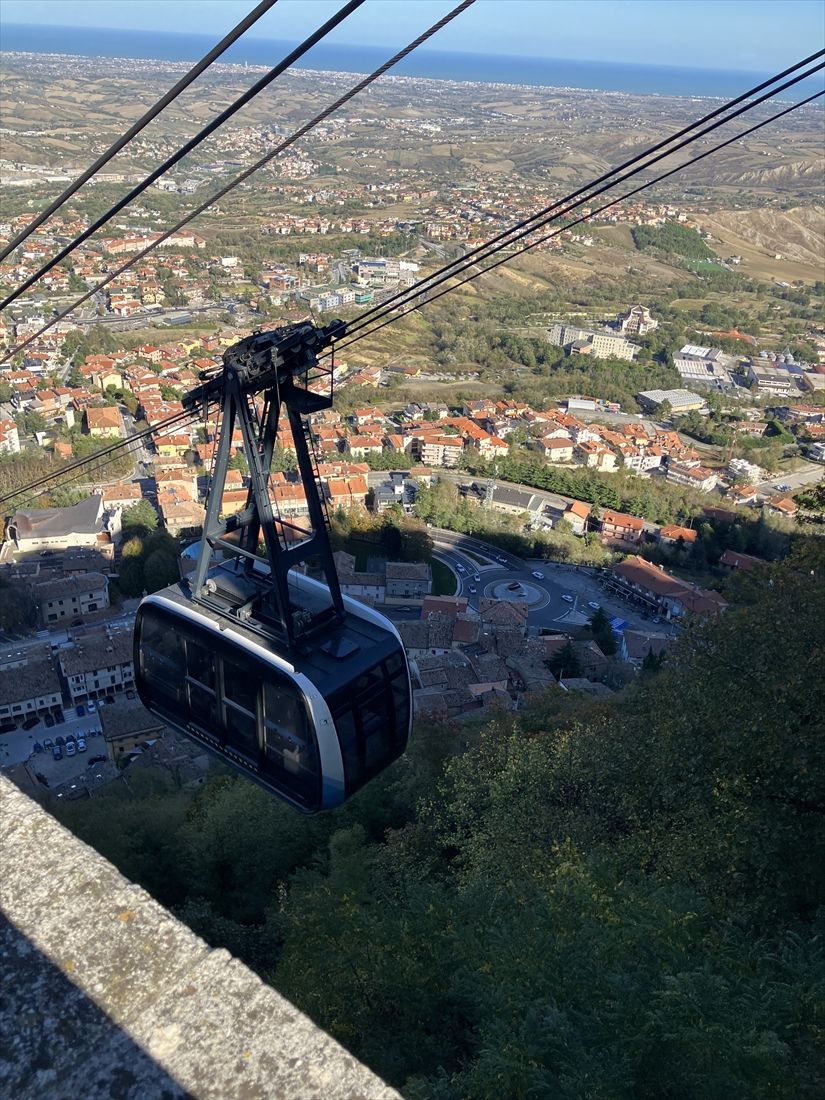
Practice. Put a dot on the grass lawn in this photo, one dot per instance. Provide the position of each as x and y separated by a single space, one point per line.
443 579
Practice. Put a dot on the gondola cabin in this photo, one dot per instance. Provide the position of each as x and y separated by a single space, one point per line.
312 727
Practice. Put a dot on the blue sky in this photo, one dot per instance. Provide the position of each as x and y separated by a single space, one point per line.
762 35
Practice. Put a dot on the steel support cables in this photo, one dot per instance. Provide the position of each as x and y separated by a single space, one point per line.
305 129
560 209
177 420
188 146
539 217
598 210
141 123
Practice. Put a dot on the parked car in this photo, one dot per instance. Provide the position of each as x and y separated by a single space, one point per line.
656 619
60 740
109 700
48 744
130 694
537 575
57 753
59 716
783 488
76 622
30 723
91 706
71 748
8 727
567 598
46 553
37 747
594 605
81 744
90 763
70 737
49 720
80 710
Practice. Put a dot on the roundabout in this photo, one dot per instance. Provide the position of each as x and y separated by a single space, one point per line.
522 592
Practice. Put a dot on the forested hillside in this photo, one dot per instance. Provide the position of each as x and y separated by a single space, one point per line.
619 899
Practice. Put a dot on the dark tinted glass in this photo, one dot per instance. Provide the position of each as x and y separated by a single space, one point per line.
372 720
162 659
200 663
241 730
240 684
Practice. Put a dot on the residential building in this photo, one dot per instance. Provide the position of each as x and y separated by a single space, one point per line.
435 449
408 580
9 438
99 664
695 477
652 587
577 513
740 467
636 645
554 448
104 422
68 597
672 533
126 724
30 687
595 456
618 525
736 561
784 506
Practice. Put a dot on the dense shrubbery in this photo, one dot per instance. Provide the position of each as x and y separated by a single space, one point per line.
672 238
619 899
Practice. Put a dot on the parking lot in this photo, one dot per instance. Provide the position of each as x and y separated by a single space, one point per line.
19 746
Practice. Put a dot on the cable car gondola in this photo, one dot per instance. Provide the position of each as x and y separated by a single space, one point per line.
293 685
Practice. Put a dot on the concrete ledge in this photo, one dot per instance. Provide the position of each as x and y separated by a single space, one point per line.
104 994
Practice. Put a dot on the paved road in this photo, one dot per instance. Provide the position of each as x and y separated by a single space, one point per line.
810 474
545 594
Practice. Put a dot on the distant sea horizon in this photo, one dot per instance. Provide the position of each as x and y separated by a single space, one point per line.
605 76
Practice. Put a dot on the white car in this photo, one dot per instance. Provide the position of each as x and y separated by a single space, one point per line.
472 590
91 706
567 599
460 568
537 575
70 748
783 488
594 605
81 744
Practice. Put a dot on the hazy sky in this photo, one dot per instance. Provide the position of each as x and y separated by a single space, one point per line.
734 34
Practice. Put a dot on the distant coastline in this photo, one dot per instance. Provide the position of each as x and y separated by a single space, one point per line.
428 64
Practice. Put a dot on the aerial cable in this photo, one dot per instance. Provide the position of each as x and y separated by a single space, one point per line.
360 86
364 318
399 301
599 210
176 420
179 417
141 123
191 144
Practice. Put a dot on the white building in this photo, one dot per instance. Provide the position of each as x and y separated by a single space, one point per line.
636 321
98 665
